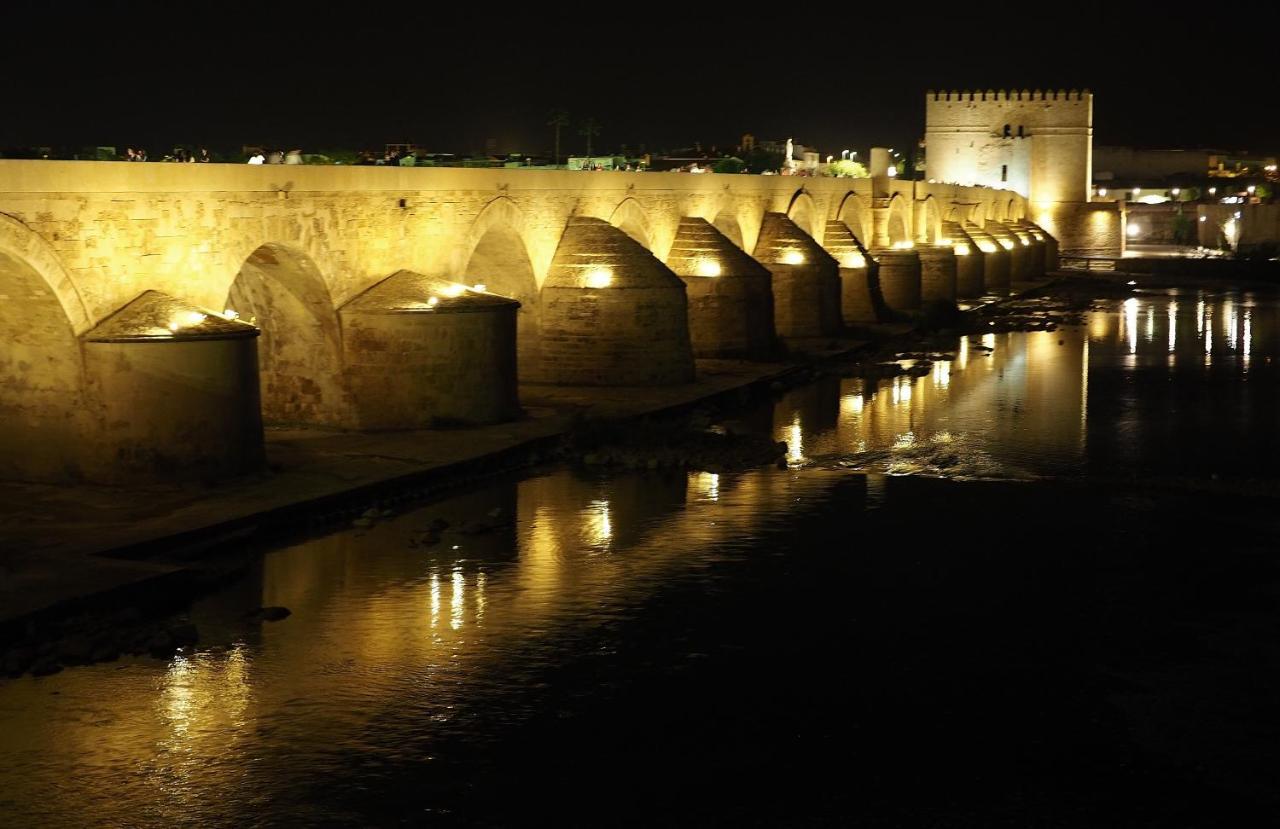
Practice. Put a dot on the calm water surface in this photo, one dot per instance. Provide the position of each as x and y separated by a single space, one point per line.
672 626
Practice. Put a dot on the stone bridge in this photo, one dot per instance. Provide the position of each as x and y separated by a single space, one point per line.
152 316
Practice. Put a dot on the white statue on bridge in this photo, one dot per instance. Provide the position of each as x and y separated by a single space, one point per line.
788 164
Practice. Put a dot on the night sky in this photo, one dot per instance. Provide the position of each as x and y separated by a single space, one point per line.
663 76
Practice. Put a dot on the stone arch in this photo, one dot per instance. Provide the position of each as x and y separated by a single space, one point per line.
995 210
899 224
631 219
930 229
856 215
726 221
1014 210
280 289
41 367
22 242
804 213
497 257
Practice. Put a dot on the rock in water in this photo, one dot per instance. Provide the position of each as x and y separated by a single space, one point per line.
272 614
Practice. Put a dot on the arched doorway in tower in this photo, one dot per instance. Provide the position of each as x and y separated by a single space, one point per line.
41 379
280 290
500 263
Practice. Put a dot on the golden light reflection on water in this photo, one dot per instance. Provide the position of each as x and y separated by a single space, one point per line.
795 441
598 526
1131 323
371 656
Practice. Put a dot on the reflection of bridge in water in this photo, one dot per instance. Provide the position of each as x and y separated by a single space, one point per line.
155 315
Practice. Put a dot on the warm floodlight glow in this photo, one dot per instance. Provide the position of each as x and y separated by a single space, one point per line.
893 171
1102 191
986 247
1251 189
453 290
943 242
1132 230
1177 191
599 278
708 267
962 249
186 319
792 257
480 288
230 314
906 244
1006 244
853 260
1025 242
1137 190
433 301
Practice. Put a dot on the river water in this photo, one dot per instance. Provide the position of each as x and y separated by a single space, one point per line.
949 610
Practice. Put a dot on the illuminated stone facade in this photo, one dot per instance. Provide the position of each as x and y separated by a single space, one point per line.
285 249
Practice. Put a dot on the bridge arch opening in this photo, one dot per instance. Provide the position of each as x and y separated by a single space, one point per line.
855 215
931 224
281 291
899 226
500 262
631 219
41 379
802 212
729 226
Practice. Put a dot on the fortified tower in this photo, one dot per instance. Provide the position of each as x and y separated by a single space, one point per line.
1036 143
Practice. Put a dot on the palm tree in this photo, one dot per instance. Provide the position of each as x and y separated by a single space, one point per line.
559 118
590 128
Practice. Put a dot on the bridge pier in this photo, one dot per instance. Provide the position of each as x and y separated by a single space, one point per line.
860 298
730 295
995 260
900 275
937 274
612 314
421 352
968 261
1019 256
175 391
806 280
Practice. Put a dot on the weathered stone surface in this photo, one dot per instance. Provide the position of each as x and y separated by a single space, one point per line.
613 315
422 351
937 273
730 295
806 279
860 298
899 278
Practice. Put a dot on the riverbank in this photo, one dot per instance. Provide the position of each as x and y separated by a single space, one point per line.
74 550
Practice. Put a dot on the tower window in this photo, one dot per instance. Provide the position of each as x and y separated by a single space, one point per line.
1004 172
1020 131
1006 130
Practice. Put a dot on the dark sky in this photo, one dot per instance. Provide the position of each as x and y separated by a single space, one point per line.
665 76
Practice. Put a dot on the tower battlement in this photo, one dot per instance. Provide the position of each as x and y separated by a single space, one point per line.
1009 95
1037 142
